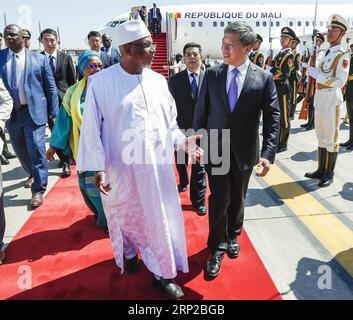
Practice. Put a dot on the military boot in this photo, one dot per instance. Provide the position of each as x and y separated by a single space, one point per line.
321 165
349 143
327 178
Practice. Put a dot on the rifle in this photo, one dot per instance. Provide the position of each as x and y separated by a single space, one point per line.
301 86
311 84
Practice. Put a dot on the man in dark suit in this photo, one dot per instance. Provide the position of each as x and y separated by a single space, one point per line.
29 79
232 98
184 87
155 20
65 76
109 49
95 43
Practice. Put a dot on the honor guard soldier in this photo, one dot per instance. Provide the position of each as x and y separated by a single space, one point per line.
256 57
320 39
294 77
331 76
282 67
349 102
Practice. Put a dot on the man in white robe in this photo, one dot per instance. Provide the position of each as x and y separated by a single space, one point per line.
128 135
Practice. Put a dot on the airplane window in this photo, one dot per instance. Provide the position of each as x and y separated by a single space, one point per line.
193 24
257 23
222 24
264 23
200 24
271 23
307 23
277 24
215 23
321 23
229 22
299 23
291 23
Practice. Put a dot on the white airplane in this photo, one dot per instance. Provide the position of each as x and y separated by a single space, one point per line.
204 23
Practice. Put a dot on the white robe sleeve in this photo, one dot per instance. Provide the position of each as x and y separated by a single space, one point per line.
177 135
91 155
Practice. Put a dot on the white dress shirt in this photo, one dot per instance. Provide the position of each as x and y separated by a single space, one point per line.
21 63
243 70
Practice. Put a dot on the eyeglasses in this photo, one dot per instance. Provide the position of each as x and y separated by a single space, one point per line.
145 45
93 66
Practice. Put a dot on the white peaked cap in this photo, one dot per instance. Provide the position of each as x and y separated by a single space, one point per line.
131 31
338 21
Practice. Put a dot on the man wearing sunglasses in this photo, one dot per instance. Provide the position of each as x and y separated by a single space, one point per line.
27 36
128 136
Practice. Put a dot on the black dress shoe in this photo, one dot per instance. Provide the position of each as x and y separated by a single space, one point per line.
172 290
132 266
182 188
233 249
282 149
213 267
9 155
201 210
28 183
4 161
66 171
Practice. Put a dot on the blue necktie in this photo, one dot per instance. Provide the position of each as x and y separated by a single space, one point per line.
52 65
233 91
194 88
14 83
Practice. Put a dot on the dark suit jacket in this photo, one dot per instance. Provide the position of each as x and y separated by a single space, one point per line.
257 97
65 74
114 54
180 88
39 85
107 60
150 15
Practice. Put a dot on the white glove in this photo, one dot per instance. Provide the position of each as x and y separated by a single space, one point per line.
312 72
313 48
305 65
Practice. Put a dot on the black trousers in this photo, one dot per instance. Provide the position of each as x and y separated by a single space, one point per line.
284 99
198 183
155 26
226 205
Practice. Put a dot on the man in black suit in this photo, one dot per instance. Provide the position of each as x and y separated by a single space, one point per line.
65 77
184 87
95 44
155 20
232 98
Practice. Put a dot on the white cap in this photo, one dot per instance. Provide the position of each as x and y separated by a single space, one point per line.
338 21
131 31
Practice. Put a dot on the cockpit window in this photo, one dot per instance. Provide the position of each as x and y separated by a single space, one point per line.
113 24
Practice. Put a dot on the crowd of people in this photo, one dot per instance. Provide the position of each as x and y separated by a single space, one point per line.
125 127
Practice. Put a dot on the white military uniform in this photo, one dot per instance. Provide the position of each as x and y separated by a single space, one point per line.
333 74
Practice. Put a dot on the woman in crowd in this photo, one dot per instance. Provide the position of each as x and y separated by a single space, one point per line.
66 132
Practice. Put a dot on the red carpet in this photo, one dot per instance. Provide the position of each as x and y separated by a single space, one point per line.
61 254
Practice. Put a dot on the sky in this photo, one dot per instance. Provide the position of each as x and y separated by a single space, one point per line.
75 18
